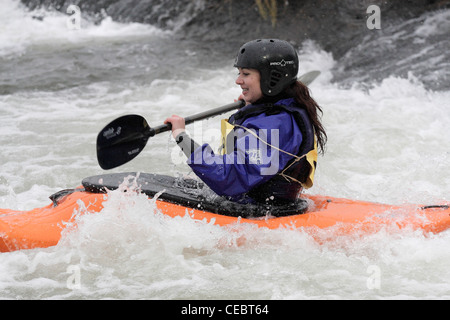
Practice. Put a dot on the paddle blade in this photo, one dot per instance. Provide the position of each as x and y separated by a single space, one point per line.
121 141
309 77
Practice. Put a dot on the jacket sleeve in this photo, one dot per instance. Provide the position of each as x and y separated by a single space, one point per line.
186 143
252 162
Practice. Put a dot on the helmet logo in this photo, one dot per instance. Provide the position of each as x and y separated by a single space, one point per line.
281 63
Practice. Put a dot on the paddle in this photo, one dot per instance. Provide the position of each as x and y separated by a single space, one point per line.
124 138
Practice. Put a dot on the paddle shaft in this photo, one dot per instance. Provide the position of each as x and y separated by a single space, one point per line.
199 116
306 79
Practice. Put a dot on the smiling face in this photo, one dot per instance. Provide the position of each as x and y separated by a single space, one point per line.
249 81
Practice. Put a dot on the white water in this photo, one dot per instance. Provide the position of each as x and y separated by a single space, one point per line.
389 144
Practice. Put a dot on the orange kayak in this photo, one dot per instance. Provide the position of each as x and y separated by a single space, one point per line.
42 227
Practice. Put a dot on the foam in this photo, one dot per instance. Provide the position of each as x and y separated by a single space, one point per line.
21 29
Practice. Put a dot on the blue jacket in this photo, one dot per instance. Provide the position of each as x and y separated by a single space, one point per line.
252 163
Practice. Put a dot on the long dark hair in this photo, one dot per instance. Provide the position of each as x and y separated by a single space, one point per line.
301 94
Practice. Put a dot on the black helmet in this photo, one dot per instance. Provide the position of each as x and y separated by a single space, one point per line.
276 60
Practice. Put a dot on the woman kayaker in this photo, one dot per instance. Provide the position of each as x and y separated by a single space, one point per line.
270 145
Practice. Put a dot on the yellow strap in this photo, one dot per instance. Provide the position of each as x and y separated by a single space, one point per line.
225 128
311 156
